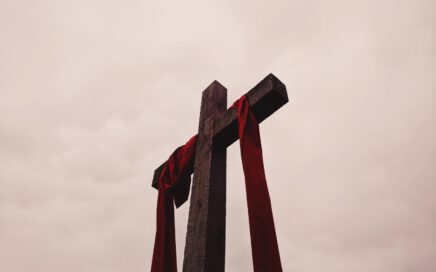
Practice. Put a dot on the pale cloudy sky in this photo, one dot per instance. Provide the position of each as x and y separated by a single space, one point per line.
95 94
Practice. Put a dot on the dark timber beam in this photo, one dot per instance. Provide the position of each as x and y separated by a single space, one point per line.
265 98
206 233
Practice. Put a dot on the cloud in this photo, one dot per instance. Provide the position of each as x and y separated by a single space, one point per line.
95 95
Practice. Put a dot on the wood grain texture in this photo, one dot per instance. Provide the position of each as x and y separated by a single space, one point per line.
218 128
205 238
265 98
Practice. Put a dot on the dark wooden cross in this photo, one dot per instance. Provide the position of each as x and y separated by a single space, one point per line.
218 128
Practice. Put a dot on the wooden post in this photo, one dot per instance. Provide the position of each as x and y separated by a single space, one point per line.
205 238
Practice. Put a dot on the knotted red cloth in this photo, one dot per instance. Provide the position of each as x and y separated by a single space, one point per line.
173 186
174 183
264 248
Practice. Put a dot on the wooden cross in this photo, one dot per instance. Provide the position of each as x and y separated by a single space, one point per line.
218 128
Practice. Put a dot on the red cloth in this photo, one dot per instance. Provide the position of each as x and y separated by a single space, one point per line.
174 184
264 246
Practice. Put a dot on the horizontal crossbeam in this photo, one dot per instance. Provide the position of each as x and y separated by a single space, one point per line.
265 98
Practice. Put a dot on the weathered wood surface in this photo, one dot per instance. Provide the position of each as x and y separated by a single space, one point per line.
205 238
218 128
265 98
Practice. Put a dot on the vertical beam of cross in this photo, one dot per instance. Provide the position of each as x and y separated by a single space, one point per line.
205 239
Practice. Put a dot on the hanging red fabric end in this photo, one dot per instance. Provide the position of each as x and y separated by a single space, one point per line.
264 247
174 184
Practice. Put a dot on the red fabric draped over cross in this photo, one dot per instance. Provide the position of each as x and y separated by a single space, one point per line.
174 184
264 248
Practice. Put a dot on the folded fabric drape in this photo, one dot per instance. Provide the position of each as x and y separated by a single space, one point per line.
174 184
264 247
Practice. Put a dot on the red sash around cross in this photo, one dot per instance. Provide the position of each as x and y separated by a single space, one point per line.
174 184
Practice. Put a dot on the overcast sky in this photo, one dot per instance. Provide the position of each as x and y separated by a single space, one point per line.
94 95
